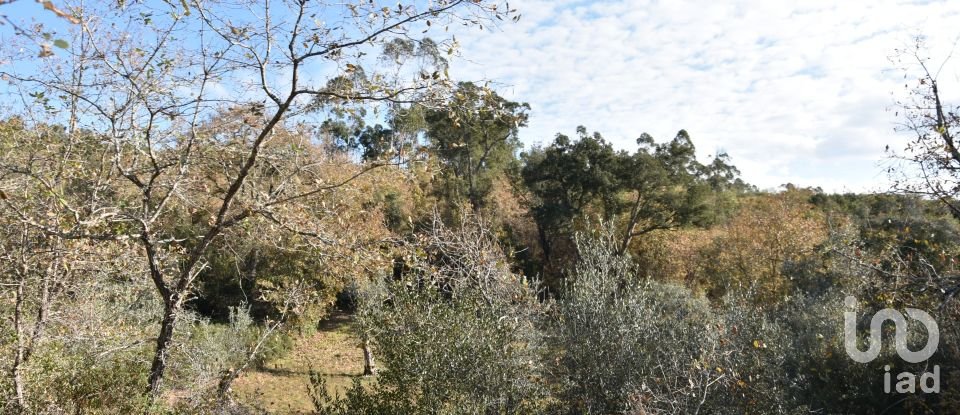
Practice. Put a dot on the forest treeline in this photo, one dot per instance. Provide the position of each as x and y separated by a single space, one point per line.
564 278
162 235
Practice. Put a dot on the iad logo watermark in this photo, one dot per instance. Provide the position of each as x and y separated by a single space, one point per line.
906 381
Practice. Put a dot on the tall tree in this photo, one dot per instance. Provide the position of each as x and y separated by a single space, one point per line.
396 141
663 184
148 94
565 178
659 186
475 139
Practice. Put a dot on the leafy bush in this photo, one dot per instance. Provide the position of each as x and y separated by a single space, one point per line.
457 335
93 356
631 345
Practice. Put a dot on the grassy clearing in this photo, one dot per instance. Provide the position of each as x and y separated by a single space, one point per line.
281 386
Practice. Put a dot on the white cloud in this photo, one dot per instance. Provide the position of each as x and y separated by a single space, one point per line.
794 92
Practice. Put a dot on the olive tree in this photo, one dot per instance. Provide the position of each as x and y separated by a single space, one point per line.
457 333
630 344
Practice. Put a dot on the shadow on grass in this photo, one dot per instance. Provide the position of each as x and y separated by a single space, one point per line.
336 321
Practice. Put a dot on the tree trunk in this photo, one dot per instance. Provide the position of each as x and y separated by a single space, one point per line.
634 217
226 382
368 366
544 243
18 356
164 339
627 237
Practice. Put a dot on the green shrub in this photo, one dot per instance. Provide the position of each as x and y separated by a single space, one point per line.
458 335
631 345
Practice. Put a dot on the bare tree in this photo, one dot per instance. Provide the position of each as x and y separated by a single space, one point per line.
44 275
157 75
932 157
37 272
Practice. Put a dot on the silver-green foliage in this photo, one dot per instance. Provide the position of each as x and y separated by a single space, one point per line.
457 335
628 344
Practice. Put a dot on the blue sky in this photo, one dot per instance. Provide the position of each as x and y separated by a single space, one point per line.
795 91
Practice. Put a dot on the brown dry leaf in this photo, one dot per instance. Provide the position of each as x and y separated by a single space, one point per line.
48 5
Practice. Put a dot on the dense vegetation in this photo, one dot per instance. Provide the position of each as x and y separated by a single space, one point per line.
156 244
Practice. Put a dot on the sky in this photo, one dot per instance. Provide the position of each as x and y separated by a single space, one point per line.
796 92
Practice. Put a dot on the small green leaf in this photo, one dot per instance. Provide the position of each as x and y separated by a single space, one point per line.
60 43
